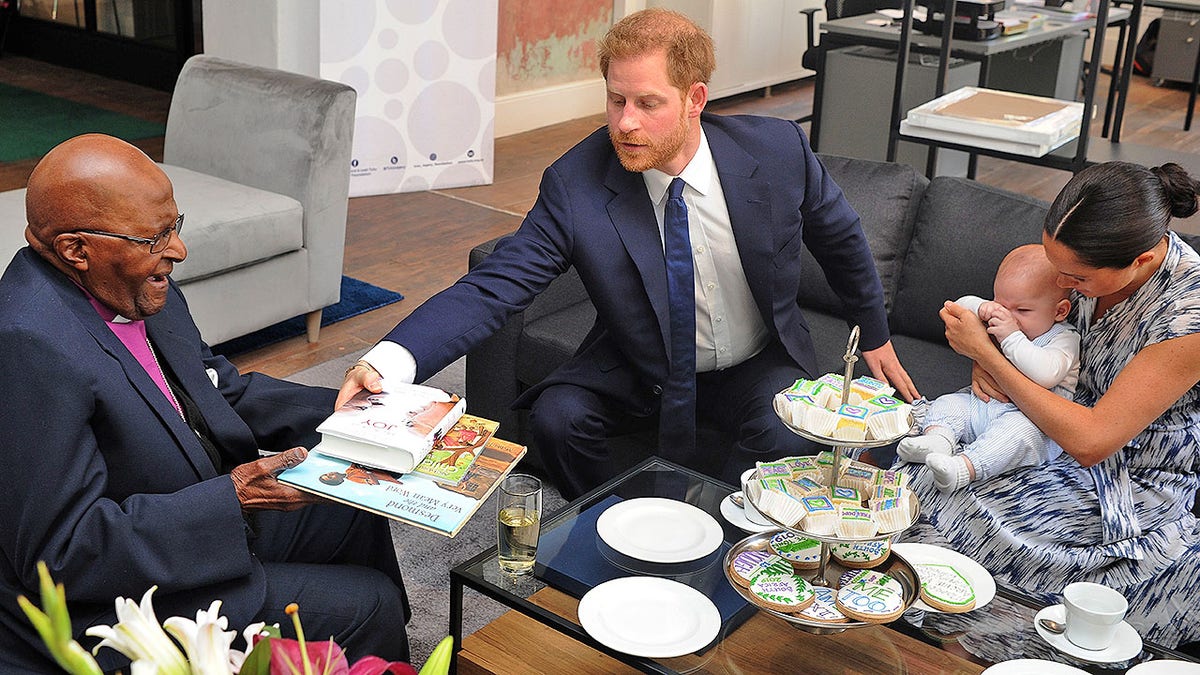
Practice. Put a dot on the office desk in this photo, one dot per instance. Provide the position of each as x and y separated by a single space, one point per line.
856 30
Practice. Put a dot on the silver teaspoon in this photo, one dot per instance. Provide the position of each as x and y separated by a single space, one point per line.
736 498
1053 626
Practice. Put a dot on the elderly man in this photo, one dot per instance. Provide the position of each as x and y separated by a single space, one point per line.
129 454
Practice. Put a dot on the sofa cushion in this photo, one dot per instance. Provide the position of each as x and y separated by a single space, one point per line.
963 230
230 225
886 197
551 339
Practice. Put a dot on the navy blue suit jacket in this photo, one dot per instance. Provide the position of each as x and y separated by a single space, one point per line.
103 480
597 216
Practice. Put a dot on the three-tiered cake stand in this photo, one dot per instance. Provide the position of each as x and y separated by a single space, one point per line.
828 571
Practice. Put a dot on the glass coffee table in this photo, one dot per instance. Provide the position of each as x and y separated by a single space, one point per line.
749 640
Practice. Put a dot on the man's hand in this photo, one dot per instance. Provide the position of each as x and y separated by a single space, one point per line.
886 366
358 377
257 489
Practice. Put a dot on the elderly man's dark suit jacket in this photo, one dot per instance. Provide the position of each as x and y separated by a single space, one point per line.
595 215
102 479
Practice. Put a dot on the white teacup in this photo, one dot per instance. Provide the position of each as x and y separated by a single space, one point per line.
752 513
1094 612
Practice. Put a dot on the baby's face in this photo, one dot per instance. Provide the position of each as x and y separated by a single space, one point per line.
1034 305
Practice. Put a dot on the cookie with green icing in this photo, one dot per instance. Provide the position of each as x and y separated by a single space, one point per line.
802 552
749 564
945 588
871 596
782 592
824 607
861 554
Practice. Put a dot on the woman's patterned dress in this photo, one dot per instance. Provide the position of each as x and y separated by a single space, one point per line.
1126 522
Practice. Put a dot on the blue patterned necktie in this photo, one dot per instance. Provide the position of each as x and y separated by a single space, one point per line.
677 425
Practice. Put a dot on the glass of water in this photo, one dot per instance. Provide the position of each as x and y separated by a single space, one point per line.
519 517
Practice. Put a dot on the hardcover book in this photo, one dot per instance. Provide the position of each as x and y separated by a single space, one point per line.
410 498
391 430
1001 115
451 456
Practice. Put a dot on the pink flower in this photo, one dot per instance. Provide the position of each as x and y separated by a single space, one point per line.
328 659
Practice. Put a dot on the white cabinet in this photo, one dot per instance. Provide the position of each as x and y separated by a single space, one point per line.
758 42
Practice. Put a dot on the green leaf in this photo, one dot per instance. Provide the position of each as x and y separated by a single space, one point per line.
439 661
258 662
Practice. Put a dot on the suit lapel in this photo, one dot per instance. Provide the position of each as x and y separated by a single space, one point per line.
748 198
185 438
633 218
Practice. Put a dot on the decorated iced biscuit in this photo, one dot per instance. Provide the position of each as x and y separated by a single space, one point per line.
782 592
887 424
882 493
861 478
801 552
783 506
804 487
861 554
864 388
824 607
747 564
891 477
855 522
943 587
871 596
883 402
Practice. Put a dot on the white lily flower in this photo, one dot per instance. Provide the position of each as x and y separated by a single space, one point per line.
205 640
138 636
236 658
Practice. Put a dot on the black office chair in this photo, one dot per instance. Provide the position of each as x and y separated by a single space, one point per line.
834 9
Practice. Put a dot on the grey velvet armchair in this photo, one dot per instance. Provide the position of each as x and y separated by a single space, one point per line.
260 162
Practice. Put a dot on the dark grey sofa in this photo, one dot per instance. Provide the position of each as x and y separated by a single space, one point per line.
932 241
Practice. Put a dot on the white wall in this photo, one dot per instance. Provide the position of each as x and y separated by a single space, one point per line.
270 33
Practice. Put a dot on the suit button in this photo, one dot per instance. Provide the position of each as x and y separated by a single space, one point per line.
657 389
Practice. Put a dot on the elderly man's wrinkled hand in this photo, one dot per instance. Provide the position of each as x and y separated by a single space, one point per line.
359 376
258 489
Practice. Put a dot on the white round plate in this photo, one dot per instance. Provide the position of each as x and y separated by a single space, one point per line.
659 530
1126 645
1165 667
649 616
736 515
981 580
1031 667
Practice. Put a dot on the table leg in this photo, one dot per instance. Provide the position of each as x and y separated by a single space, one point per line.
456 618
1187 121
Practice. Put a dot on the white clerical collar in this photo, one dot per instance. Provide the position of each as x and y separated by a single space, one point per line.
698 173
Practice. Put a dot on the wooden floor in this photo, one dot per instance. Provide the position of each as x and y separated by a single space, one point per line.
417 243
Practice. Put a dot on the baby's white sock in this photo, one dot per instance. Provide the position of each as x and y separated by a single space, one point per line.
950 473
917 448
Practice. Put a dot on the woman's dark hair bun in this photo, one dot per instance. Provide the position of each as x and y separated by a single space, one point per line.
1181 189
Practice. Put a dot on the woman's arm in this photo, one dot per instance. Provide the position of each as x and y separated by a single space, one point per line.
1154 379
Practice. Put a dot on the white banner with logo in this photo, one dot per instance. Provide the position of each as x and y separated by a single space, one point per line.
425 73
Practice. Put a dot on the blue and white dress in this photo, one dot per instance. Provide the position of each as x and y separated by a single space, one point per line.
1127 521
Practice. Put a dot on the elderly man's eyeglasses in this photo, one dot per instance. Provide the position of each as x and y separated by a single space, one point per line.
157 245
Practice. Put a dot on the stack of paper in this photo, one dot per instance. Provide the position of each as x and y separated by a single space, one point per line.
996 120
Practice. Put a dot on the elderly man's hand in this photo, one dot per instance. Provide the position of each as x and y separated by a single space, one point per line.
257 489
359 376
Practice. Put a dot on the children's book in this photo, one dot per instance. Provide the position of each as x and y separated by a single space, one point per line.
411 498
391 430
451 456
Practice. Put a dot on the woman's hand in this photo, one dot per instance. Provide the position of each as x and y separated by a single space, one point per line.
965 332
985 386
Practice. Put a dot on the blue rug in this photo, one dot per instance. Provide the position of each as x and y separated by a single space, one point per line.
357 297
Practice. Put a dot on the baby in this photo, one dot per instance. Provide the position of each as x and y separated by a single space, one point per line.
1027 319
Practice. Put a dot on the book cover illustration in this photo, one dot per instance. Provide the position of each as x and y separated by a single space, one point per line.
410 498
393 429
451 456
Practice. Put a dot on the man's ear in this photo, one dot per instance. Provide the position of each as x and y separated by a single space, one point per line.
71 248
697 98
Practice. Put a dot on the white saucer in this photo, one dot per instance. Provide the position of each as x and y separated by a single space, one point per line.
736 515
1031 667
1126 645
648 616
659 530
981 580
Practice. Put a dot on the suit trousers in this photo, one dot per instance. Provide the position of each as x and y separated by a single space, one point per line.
339 565
577 432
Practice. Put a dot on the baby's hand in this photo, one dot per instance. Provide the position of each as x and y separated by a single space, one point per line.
1000 322
987 309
